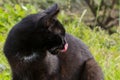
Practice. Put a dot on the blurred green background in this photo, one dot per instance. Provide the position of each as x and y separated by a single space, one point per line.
95 22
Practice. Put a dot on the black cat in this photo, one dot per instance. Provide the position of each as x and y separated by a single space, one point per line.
38 48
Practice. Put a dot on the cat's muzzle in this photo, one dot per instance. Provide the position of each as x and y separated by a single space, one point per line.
59 49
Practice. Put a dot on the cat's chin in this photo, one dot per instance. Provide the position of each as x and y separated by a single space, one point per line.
54 50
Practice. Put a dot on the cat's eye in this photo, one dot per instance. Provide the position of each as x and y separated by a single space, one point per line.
51 25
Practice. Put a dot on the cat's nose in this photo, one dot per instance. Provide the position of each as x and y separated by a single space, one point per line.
63 43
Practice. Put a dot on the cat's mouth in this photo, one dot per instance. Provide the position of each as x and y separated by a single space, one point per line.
59 49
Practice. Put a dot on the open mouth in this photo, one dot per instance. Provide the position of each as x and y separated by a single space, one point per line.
58 49
65 48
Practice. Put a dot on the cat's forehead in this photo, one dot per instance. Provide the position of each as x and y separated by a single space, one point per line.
41 15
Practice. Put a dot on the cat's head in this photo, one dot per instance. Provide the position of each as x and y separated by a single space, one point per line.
51 31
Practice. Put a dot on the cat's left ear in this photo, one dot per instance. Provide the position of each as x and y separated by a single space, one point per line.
52 11
51 14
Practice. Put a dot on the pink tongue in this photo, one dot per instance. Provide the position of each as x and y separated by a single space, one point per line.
65 48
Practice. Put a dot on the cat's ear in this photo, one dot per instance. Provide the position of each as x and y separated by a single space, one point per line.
48 16
52 11
51 14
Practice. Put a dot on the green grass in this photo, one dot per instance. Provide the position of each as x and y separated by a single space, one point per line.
105 48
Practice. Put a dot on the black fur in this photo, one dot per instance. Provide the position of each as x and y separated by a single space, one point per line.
31 46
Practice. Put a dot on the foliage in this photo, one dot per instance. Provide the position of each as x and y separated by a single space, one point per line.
100 13
104 47
105 12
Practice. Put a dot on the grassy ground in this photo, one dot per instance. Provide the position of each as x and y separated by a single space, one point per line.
105 48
